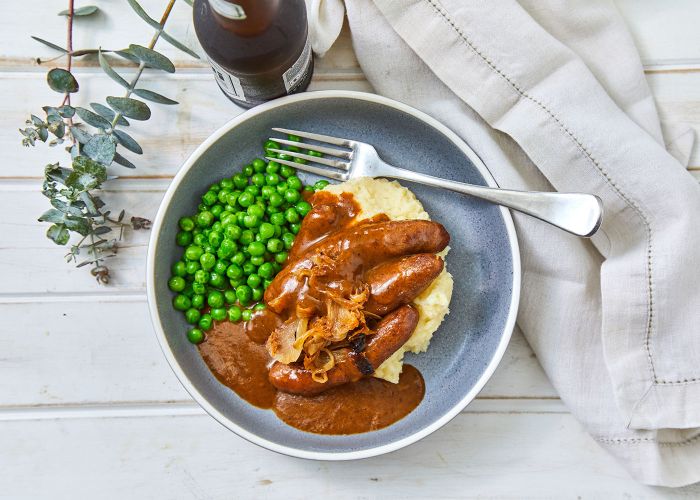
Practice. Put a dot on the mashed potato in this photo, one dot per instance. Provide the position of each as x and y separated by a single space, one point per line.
377 196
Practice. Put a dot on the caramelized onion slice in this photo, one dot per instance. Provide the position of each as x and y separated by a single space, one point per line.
280 344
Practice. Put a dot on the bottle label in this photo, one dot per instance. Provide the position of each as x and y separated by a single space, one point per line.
296 74
229 83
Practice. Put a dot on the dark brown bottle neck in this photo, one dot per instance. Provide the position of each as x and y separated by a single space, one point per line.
245 17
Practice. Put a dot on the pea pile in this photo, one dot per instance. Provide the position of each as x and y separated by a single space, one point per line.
238 241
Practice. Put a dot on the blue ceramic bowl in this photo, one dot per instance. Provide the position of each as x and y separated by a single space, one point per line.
484 261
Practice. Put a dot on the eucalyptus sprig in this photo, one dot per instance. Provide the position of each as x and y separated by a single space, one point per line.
94 141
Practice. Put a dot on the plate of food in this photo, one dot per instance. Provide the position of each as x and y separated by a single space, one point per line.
332 320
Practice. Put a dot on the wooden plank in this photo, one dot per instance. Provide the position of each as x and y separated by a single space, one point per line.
476 455
173 132
665 32
102 350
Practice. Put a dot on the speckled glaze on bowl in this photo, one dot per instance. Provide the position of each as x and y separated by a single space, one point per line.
484 261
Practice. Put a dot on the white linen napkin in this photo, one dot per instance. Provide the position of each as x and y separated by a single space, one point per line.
552 96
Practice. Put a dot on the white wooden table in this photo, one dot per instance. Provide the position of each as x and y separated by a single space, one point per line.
88 405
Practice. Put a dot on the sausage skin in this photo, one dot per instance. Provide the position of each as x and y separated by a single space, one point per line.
399 281
391 333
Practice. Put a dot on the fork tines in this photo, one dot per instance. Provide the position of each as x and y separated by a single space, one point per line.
342 154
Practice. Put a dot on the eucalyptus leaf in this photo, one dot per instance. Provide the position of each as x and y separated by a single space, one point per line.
57 128
128 142
119 159
152 58
100 148
92 118
89 203
87 174
130 108
102 230
66 208
87 10
43 133
126 54
62 81
85 52
66 111
104 64
36 121
78 224
58 234
153 96
56 173
52 215
80 135
143 15
108 113
178 45
49 44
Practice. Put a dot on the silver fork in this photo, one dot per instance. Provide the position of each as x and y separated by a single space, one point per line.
578 213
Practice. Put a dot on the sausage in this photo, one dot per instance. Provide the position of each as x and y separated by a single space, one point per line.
355 249
399 281
391 333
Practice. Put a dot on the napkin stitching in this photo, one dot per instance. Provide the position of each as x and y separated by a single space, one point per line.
616 189
685 442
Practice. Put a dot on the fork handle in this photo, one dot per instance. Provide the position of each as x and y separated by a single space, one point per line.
577 213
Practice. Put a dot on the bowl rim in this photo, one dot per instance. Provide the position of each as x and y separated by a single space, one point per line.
250 436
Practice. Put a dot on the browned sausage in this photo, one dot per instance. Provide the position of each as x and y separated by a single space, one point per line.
355 249
397 282
391 333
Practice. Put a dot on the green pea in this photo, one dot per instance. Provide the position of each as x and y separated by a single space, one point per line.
259 307
311 152
281 257
295 227
239 217
205 219
272 179
247 237
276 199
282 188
209 198
274 245
232 198
234 271
309 189
291 215
218 313
217 280
266 191
273 167
192 316
251 221
222 197
236 282
246 199
215 299
278 231
205 322
221 266
199 288
226 249
246 314
256 248
266 283
258 260
186 223
207 260
214 187
238 258
266 270
244 294
230 296
234 314
201 208
192 267
182 302
176 283
240 181
254 190
179 269
258 179
278 266
254 281
183 238
215 238
197 301
286 171
249 268
292 196
199 239
303 207
201 276
209 249
288 239
257 210
232 232
294 183
195 335
285 157
259 165
188 291
248 170
226 184
258 294
193 252
217 209
266 230
299 160
320 184
277 219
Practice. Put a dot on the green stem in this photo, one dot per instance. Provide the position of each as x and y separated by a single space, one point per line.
142 65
